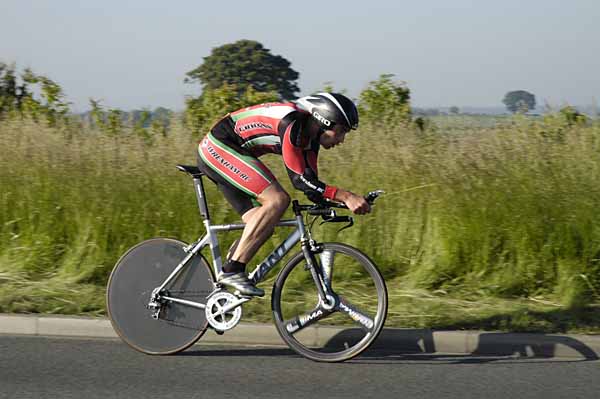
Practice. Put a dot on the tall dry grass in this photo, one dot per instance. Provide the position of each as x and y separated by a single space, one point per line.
507 211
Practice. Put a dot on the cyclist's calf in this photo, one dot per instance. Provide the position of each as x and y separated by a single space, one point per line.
261 221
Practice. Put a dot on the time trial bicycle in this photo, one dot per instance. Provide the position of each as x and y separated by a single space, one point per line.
329 301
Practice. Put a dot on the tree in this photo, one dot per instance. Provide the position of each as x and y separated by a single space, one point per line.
244 64
385 102
454 110
519 101
31 95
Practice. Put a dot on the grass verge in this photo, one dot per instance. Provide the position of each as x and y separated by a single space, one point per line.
489 227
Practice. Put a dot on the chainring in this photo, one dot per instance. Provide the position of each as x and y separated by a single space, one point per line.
218 319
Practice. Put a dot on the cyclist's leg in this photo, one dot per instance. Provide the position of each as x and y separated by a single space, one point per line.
261 221
249 187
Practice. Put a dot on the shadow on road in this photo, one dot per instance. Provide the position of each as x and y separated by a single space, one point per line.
258 352
401 345
422 345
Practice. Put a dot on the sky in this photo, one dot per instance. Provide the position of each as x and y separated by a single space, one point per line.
135 53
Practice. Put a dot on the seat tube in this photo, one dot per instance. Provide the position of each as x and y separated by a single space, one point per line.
201 197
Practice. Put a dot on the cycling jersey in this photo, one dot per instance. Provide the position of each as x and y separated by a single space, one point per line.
235 143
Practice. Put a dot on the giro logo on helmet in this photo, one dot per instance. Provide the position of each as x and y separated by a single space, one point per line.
321 119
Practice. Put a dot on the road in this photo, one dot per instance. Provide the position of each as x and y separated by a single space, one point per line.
39 367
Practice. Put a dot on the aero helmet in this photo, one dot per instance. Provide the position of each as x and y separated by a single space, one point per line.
329 109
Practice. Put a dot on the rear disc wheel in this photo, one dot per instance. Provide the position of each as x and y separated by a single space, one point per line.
139 271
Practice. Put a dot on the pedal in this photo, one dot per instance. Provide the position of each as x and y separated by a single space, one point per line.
218 332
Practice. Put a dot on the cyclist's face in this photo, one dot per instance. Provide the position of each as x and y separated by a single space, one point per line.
333 137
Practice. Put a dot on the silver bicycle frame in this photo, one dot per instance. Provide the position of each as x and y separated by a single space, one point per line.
299 234
210 239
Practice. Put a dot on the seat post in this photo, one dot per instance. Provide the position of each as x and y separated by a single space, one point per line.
201 197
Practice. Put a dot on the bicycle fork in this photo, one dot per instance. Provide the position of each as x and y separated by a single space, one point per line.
321 274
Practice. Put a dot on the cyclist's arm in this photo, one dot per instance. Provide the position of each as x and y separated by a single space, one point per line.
301 165
356 203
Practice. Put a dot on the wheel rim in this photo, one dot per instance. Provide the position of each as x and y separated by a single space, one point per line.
361 301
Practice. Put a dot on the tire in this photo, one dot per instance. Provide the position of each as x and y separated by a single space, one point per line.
330 335
139 271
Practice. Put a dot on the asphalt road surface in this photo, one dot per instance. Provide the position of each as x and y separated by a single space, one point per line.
38 367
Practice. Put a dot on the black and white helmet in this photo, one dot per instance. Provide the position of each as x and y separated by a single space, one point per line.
329 109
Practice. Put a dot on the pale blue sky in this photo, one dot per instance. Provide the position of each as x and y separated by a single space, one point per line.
134 53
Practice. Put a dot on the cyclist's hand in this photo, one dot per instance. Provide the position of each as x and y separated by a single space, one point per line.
357 203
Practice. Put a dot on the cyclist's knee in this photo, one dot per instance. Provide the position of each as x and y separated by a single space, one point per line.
283 201
275 197
280 201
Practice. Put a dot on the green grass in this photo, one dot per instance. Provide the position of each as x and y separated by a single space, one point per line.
484 225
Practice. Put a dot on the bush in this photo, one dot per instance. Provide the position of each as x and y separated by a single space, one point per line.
17 96
384 104
202 112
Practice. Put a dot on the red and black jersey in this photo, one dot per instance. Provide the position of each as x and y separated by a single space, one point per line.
277 128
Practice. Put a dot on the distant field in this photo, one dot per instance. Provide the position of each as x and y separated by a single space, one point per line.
462 122
488 222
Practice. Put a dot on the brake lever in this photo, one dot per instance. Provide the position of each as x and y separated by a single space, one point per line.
338 219
350 223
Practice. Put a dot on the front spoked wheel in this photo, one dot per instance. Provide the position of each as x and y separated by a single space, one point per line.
341 327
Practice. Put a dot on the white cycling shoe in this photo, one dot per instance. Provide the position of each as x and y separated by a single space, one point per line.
240 282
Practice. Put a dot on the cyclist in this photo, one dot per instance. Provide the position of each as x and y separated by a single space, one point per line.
229 154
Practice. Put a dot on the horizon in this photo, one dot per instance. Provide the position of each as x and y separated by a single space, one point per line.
592 110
